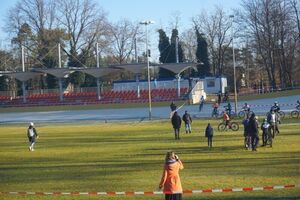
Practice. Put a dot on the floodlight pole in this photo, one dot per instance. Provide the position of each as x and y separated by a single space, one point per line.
23 70
146 23
234 73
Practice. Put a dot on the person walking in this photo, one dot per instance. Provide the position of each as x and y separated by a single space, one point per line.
176 123
188 122
201 103
209 133
32 135
265 127
170 180
253 131
273 120
247 137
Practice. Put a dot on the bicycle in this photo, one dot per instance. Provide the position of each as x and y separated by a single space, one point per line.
244 113
295 113
231 125
268 139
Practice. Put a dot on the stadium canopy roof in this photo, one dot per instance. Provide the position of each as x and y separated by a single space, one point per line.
99 72
137 68
22 76
57 72
177 68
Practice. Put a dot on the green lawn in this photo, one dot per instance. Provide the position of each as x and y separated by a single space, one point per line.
129 157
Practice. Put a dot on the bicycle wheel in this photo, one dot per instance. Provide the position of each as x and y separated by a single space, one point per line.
241 114
269 140
234 126
281 114
221 127
295 114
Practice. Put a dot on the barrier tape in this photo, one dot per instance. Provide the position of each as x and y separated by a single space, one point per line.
245 189
270 105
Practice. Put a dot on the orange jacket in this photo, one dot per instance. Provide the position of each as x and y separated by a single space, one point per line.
170 179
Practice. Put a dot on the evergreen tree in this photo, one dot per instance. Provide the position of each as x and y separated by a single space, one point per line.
202 56
164 49
172 56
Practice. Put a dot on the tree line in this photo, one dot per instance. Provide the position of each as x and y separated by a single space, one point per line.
266 37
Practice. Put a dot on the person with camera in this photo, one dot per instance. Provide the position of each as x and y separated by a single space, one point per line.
170 180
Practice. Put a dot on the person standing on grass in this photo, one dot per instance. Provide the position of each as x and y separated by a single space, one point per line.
176 123
201 103
188 122
209 133
32 135
253 131
170 180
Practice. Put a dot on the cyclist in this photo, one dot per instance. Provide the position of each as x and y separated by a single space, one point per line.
246 108
226 119
265 127
275 107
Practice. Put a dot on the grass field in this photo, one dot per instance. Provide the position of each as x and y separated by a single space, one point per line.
129 157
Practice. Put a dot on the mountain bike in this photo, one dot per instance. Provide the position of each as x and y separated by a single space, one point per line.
231 125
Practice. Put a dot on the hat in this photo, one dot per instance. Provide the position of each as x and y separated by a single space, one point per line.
31 124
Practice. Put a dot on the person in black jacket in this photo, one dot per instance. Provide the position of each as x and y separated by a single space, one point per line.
173 106
209 133
176 123
253 131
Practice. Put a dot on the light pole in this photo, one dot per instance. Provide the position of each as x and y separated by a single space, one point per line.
234 74
146 23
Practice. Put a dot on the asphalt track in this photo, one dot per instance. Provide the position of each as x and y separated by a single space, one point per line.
260 107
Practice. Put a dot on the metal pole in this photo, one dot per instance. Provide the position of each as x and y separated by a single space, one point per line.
23 70
61 98
98 89
138 86
59 56
23 59
146 23
148 71
234 73
97 55
177 61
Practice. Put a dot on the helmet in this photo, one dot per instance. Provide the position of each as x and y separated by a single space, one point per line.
275 102
31 124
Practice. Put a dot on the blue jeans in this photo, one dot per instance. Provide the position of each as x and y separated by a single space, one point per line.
188 128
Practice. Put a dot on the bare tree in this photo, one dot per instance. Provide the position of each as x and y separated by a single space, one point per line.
216 27
124 36
85 23
189 44
272 26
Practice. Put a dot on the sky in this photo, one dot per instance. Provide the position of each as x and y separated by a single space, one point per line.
159 11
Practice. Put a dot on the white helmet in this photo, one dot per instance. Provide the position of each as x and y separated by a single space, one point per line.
31 124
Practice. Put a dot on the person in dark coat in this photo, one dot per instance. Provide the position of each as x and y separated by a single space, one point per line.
173 106
176 123
219 97
188 122
253 131
209 133
247 137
